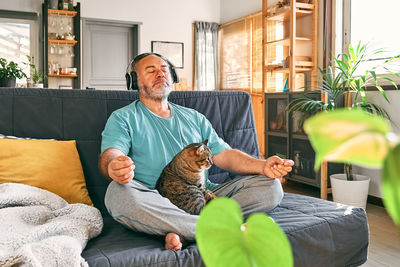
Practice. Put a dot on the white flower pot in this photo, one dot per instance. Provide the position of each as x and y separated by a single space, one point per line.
352 193
38 85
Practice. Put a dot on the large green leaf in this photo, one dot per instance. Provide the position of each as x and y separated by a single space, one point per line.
350 136
391 184
224 240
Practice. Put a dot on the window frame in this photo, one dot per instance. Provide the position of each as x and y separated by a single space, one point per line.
31 18
345 12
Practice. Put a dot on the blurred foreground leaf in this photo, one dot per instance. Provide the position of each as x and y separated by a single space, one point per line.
350 136
391 184
223 240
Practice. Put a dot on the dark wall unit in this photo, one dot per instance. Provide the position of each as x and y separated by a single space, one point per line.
285 137
61 46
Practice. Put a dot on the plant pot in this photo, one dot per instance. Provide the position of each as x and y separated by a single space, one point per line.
38 85
5 82
352 193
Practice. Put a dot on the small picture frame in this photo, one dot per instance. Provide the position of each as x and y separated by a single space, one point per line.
173 51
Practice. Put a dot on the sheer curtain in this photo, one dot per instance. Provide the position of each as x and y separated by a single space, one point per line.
206 55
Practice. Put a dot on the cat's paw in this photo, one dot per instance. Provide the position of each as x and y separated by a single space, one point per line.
208 196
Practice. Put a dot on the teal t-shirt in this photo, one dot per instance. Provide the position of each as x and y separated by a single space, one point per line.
152 141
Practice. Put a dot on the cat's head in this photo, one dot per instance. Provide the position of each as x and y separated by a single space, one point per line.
200 154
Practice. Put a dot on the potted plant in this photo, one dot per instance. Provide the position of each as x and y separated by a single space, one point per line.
37 77
343 80
9 72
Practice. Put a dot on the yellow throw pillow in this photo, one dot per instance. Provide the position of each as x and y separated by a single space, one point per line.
48 164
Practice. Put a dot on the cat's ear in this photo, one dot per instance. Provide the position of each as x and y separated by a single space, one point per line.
205 142
199 150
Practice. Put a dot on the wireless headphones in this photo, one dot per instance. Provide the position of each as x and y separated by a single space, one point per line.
131 75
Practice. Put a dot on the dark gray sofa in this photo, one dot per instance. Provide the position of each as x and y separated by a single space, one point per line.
321 232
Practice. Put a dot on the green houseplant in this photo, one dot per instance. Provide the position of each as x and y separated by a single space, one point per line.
36 75
343 80
9 72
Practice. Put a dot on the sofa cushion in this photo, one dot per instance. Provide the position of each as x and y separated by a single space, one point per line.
47 164
120 246
322 232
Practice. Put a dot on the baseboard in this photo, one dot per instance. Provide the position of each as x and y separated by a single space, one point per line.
375 200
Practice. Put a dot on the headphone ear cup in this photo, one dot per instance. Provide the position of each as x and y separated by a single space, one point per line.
174 75
128 81
134 81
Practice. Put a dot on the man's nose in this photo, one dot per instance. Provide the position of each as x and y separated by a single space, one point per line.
160 74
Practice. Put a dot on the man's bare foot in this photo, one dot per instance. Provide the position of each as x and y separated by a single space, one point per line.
173 241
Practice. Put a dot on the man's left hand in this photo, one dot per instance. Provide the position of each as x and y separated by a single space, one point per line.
275 167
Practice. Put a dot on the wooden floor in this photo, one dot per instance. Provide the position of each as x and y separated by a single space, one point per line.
384 246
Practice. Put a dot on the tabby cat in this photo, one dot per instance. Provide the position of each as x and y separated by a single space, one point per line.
182 181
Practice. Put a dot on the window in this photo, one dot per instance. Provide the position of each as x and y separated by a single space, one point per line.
241 54
375 23
19 38
205 55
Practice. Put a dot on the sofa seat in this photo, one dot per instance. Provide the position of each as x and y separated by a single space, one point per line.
319 232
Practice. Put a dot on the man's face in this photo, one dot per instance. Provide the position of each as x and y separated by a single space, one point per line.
154 78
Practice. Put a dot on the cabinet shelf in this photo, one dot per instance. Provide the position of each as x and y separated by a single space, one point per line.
286 70
62 12
299 136
290 46
53 61
303 10
277 133
63 75
63 42
286 41
303 179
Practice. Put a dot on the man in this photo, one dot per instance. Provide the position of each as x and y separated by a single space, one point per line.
141 138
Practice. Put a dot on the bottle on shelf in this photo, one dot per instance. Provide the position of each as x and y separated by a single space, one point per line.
70 5
60 4
53 4
297 164
65 4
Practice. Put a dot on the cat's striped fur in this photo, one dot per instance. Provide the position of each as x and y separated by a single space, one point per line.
182 181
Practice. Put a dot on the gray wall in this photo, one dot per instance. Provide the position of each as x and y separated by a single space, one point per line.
161 20
233 9
393 108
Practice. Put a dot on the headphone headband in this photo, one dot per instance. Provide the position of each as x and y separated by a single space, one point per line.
131 75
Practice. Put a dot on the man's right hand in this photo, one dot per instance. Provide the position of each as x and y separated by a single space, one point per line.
120 169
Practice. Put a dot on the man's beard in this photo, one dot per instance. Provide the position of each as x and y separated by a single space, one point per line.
151 93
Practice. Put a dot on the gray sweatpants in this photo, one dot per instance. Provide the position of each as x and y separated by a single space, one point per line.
145 210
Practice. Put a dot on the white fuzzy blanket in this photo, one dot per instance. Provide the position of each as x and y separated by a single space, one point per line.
39 228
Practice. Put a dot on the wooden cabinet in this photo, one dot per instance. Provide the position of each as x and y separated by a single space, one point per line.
289 66
61 47
290 45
